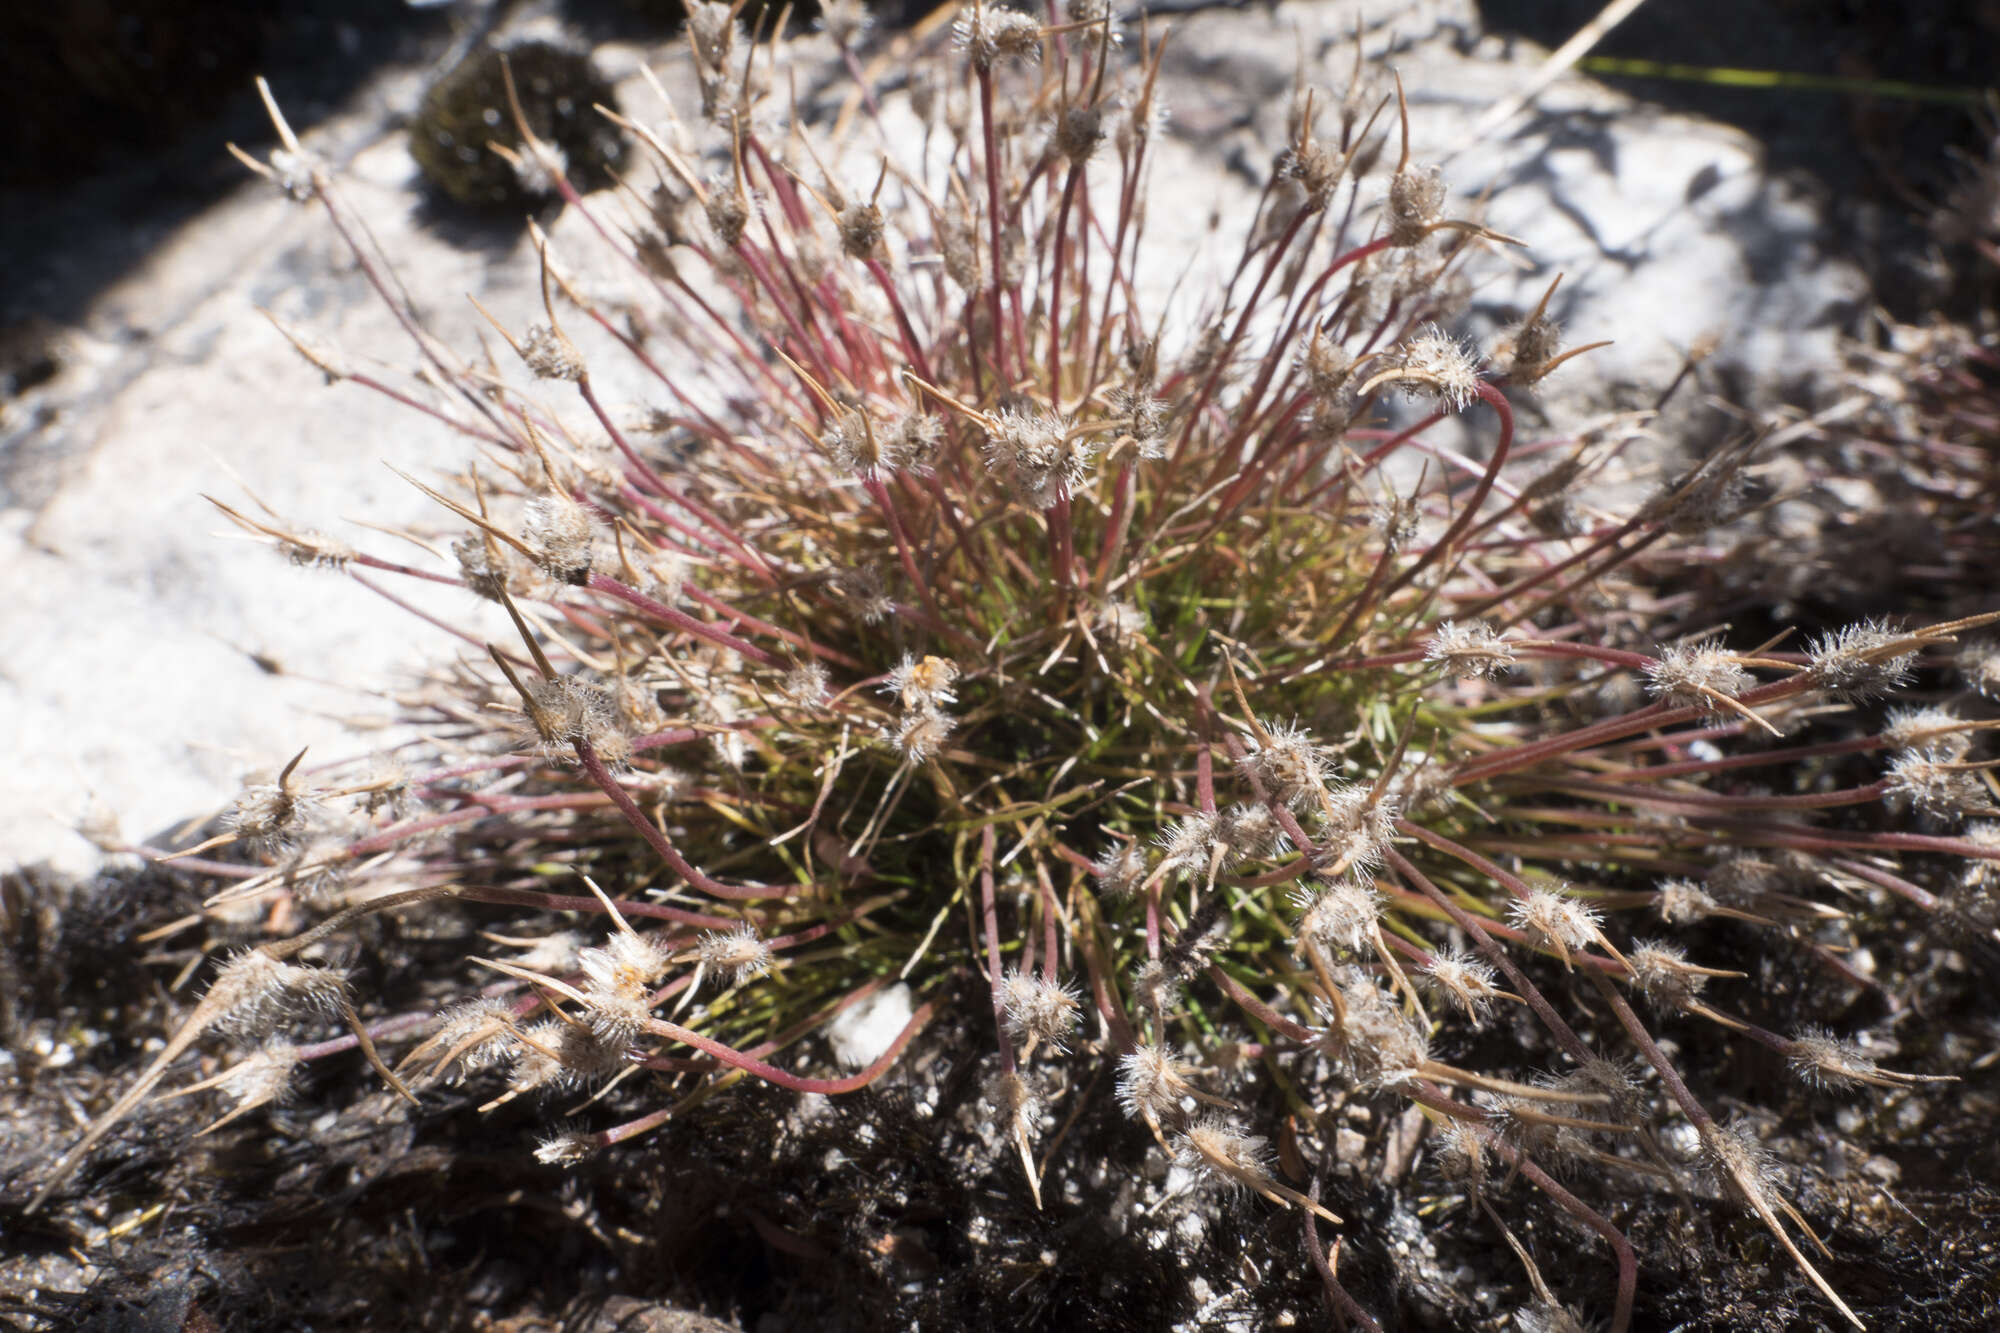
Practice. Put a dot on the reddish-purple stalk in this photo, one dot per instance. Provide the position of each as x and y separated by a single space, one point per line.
1228 349
500 896
1627 1260
1373 456
593 767
1530 583
1103 994
1475 930
1246 409
745 620
1825 840
783 263
1260 1011
813 350
991 927
777 1077
763 1048
1501 408
1640 796
1050 916
1070 182
323 190
681 620
913 346
702 421
1364 601
872 483
696 542
1120 524
1061 554
645 1124
416 610
1516 757
397 395
1350 1309
747 357
710 519
995 205
477 805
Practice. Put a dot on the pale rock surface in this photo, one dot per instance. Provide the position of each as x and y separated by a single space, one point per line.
863 1034
134 634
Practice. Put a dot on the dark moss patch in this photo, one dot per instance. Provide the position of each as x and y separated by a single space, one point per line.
466 113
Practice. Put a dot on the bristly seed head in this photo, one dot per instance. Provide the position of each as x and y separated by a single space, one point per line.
561 533
1327 367
1037 451
1122 626
1469 649
737 954
728 210
1937 788
1289 765
1697 675
1464 979
1078 133
1341 917
562 711
272 816
921 736
1528 349
1661 973
1219 1149
254 993
1187 846
711 24
1934 728
1120 870
487 567
1251 833
617 989
1315 170
1555 920
1860 661
806 686
1823 1061
1682 902
988 35
1978 666
564 1148
1151 1083
1155 986
550 354
261 1078
922 685
1438 366
1416 200
860 229
1355 826
1038 1008
1370 1035
845 21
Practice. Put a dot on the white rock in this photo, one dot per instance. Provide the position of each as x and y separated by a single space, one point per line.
862 1034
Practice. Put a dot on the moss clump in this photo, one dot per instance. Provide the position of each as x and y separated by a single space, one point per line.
465 115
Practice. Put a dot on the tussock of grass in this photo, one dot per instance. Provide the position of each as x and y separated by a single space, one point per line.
956 621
